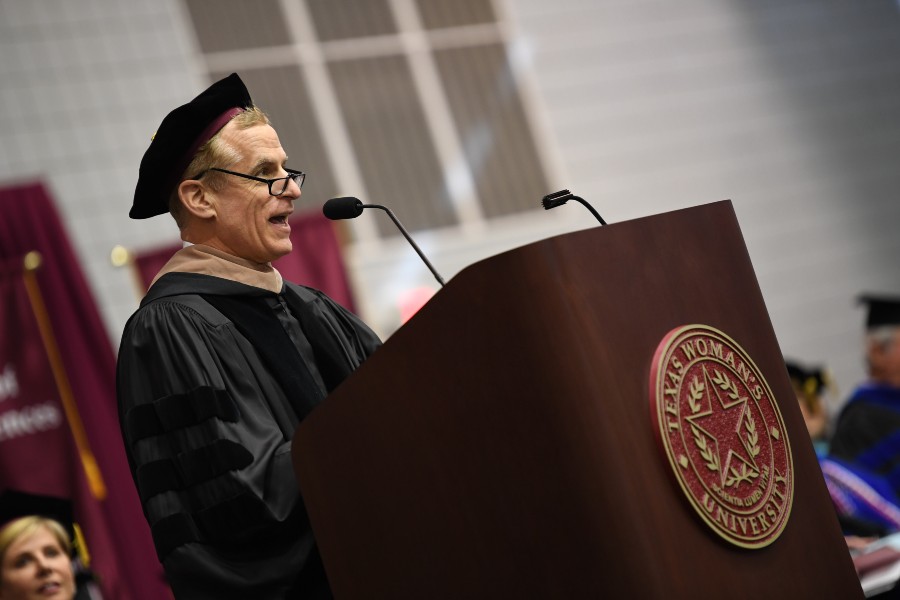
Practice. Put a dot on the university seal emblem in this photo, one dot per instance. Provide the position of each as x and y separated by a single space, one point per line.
722 433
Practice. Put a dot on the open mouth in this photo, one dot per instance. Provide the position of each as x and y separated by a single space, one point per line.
279 220
49 588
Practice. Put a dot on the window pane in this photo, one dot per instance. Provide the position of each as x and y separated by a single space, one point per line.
390 136
492 128
437 14
345 19
238 24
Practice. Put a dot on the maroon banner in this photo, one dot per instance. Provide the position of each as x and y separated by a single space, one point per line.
57 362
315 260
32 420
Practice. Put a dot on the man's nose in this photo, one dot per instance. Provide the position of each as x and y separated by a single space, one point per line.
292 191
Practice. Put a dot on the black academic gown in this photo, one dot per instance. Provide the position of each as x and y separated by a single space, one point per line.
213 378
867 434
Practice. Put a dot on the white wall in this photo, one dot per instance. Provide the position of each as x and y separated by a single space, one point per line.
83 86
791 109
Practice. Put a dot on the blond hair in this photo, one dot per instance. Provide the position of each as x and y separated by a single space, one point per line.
25 526
214 153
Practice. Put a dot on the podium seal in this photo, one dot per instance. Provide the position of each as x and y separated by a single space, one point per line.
723 435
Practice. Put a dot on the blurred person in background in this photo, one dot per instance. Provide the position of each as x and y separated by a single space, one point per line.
223 359
862 469
35 560
867 432
810 385
866 507
37 535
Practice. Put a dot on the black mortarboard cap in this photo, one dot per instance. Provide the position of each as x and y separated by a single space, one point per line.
883 310
181 134
812 380
15 504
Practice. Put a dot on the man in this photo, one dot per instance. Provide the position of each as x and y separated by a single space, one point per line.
867 435
223 359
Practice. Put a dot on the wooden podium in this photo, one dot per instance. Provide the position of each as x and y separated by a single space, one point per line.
501 445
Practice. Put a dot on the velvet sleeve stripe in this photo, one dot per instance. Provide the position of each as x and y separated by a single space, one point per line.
190 468
173 531
141 422
242 518
211 461
179 411
199 404
238 518
156 477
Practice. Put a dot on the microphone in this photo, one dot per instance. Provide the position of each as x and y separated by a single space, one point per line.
342 208
562 196
350 208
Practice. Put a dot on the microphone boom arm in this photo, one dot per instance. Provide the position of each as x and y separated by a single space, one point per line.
589 207
415 246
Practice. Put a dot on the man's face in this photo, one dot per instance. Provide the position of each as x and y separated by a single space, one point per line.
249 222
884 361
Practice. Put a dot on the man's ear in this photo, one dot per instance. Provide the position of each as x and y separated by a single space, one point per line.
197 199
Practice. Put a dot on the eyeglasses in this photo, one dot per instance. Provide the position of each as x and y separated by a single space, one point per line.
277 186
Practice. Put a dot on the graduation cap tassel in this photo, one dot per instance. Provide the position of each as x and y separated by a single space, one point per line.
81 546
91 468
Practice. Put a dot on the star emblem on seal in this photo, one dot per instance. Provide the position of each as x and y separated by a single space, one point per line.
721 431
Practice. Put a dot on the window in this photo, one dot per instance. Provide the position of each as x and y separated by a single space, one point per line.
413 104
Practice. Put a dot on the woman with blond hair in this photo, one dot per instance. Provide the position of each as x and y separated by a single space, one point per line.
35 560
